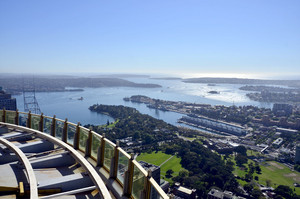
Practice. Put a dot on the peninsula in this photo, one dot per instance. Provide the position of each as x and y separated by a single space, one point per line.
16 84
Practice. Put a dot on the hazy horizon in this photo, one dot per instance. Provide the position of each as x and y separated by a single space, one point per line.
162 75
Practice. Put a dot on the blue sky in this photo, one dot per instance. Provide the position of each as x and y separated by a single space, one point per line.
180 37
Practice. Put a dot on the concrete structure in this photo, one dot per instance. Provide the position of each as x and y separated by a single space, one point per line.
287 131
183 192
6 101
217 194
45 157
278 141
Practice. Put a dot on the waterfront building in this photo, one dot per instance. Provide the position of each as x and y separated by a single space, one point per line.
215 125
6 101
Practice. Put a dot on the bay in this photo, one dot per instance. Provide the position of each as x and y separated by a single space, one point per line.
67 104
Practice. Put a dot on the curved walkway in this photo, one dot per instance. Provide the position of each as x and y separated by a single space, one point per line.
94 176
27 165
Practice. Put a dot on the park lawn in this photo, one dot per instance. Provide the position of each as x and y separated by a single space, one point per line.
153 158
158 158
191 139
278 173
112 125
174 164
237 171
253 153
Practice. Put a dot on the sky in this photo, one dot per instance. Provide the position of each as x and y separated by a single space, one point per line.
240 38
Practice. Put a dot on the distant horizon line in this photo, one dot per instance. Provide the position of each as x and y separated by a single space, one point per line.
164 75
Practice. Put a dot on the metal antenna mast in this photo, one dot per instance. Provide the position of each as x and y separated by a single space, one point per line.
30 102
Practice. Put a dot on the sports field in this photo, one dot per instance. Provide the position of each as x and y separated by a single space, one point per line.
159 158
277 173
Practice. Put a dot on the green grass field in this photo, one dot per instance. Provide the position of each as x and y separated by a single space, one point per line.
158 158
278 173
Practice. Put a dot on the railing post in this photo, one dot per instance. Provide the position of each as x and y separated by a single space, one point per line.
88 146
128 179
4 115
29 120
53 126
17 117
100 153
41 125
146 193
114 163
76 137
65 131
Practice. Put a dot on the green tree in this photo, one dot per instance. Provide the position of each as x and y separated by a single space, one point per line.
256 192
257 168
136 135
284 191
248 187
268 183
169 173
251 168
183 173
240 159
241 150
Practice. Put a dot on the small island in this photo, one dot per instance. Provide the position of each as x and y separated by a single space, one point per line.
213 92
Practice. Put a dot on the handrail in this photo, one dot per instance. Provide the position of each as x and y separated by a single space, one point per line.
31 177
83 162
124 153
100 157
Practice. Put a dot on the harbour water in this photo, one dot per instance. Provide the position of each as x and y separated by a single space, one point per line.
68 104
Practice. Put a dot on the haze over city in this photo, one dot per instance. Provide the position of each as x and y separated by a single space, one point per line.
182 38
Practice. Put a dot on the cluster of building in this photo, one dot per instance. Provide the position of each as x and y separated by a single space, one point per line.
6 101
214 124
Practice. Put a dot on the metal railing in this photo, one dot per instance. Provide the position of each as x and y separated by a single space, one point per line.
131 176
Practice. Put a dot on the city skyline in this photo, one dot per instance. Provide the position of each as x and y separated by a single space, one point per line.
190 38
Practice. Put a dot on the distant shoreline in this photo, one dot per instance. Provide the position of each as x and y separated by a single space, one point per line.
16 85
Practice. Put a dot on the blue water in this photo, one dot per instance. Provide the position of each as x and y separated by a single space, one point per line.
66 104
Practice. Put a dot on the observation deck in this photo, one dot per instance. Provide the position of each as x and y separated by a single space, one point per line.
45 157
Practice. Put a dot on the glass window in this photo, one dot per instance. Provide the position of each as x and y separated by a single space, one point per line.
23 119
83 136
71 134
138 182
122 167
47 125
11 117
35 122
1 115
96 143
59 127
108 154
